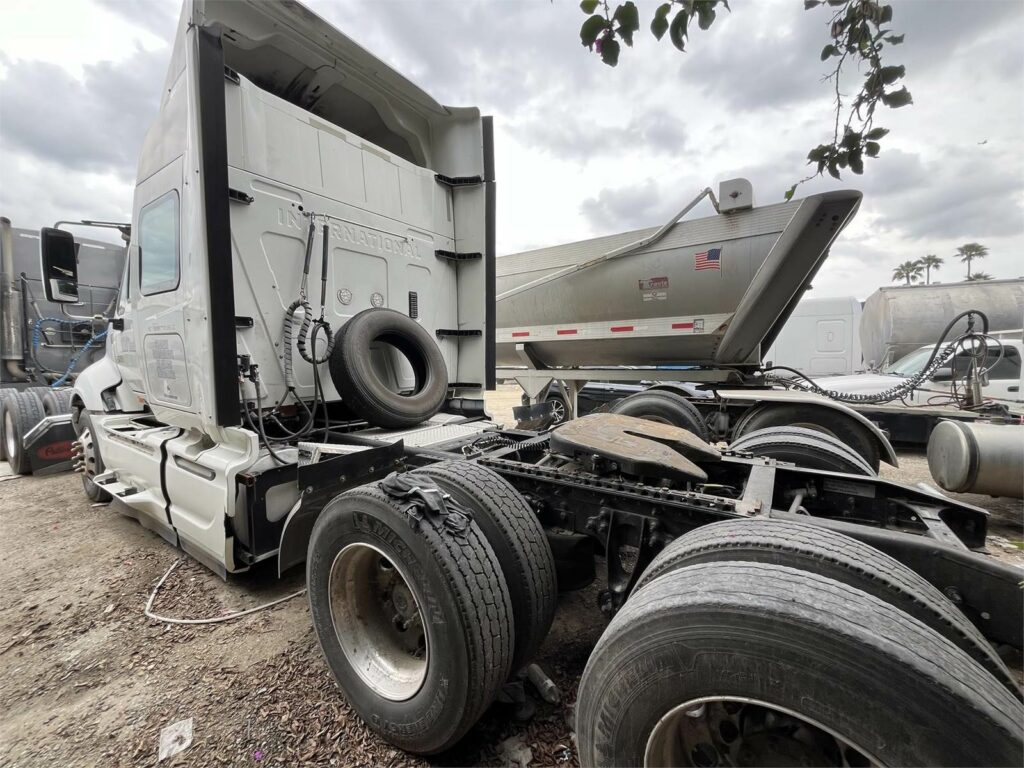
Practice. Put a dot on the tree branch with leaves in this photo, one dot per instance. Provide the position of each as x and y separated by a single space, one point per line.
858 33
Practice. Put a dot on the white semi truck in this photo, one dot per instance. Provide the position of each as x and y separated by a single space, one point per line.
295 374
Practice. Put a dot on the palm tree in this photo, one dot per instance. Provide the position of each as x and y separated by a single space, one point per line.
930 262
968 252
909 271
979 276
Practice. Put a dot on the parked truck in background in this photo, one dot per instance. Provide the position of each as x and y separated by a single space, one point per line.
295 373
45 344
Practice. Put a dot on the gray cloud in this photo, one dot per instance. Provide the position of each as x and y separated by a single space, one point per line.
93 124
156 16
653 131
635 206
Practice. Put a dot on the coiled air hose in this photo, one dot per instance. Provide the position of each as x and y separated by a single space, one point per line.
939 357
308 323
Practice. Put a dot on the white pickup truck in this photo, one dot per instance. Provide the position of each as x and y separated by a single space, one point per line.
1002 381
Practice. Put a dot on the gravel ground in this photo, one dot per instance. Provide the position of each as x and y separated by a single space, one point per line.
87 679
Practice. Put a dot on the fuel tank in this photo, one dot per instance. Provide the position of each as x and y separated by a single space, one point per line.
708 291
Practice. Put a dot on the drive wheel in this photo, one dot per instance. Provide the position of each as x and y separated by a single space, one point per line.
4 392
739 663
90 457
837 425
413 617
518 540
22 411
804 447
664 407
813 548
56 402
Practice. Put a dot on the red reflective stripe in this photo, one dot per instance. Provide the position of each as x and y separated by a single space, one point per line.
517 334
621 328
682 325
567 332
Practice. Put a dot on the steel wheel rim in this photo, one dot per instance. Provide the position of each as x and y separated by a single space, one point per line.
378 622
704 733
9 443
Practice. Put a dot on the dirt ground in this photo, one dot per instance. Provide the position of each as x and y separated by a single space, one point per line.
87 679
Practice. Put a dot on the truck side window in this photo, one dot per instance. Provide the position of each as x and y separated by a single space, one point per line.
158 245
1007 368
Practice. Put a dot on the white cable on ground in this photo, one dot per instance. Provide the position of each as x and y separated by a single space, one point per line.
214 620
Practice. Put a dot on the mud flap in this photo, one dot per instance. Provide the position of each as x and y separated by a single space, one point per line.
48 445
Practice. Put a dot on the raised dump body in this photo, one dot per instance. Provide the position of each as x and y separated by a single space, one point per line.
710 291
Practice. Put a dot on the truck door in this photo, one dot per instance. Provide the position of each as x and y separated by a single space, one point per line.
158 304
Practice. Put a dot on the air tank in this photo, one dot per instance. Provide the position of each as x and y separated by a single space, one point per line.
899 319
712 291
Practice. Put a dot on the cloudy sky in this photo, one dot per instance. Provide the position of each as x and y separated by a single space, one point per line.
582 149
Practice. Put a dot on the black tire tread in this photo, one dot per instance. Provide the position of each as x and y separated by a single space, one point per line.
694 421
799 603
529 566
478 586
766 441
798 544
27 411
56 401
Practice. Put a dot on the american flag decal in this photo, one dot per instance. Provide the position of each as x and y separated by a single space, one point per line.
709 259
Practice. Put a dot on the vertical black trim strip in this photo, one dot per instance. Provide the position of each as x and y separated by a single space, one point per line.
214 160
490 247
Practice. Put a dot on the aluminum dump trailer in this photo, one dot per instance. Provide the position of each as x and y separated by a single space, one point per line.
708 291
899 319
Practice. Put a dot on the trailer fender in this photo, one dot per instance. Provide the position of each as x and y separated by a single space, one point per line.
783 397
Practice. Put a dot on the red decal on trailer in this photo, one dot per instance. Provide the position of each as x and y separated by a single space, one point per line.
567 332
682 326
621 328
517 334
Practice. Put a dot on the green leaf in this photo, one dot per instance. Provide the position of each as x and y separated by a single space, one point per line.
610 51
828 51
894 39
808 4
886 15
589 6
871 148
876 133
790 192
591 28
897 99
628 19
890 75
659 25
705 13
851 139
832 170
856 162
677 30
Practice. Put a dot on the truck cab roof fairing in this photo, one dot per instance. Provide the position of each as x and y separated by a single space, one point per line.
289 51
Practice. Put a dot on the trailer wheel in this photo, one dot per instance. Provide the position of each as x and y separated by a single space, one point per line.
838 425
56 402
664 407
818 550
4 392
518 540
413 617
357 380
22 411
90 455
753 664
805 448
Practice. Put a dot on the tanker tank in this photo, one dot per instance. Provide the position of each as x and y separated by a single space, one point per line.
706 291
899 319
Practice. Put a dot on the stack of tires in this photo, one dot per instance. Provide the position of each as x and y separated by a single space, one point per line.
761 642
20 411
